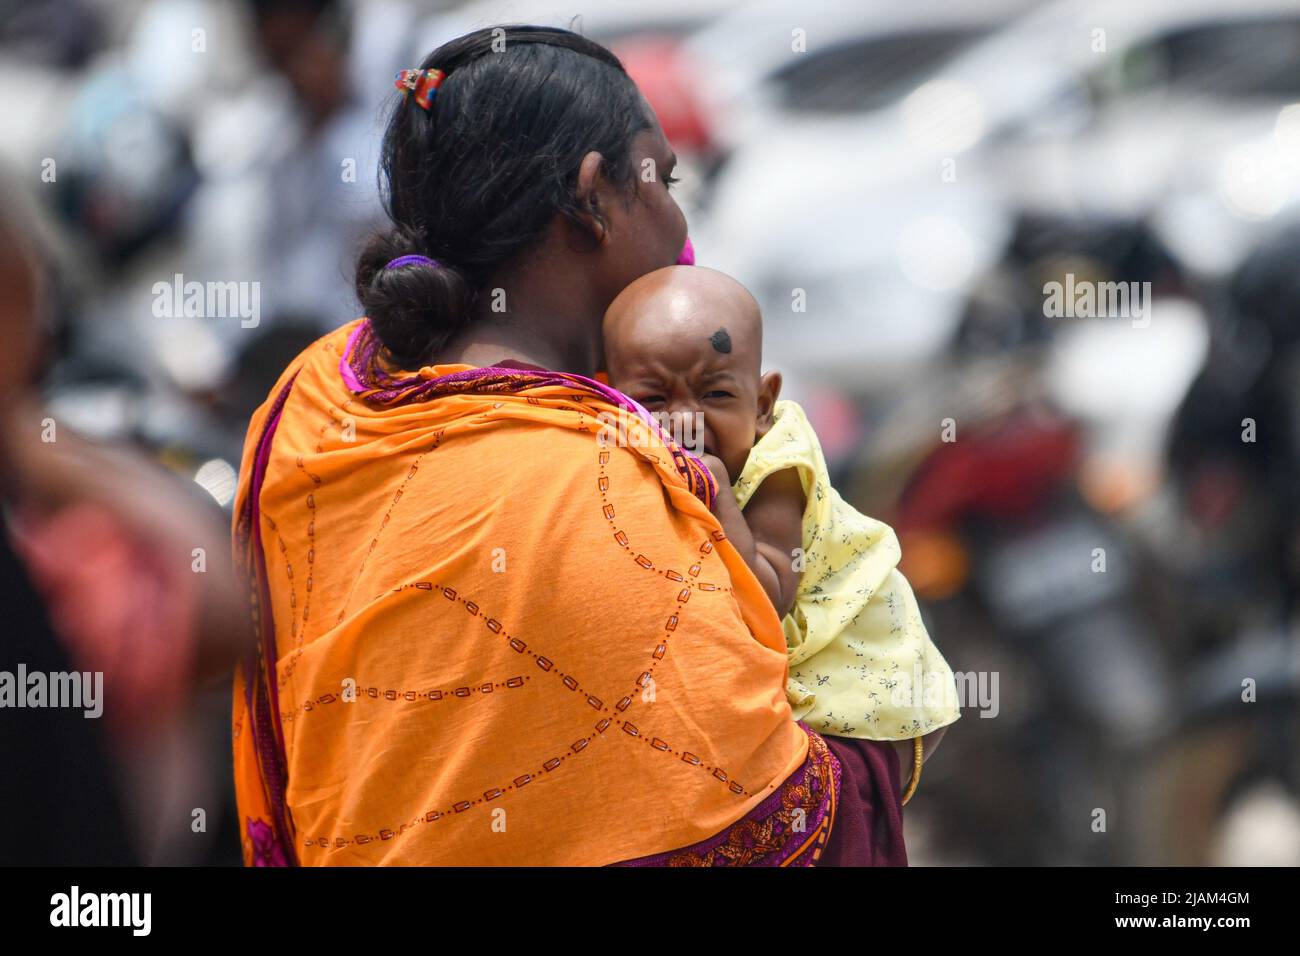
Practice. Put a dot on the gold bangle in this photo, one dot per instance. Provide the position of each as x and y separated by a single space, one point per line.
918 757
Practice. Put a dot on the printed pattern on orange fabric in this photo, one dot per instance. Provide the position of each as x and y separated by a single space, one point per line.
789 828
608 715
611 703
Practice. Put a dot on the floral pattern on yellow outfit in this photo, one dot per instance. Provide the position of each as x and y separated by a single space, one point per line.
861 661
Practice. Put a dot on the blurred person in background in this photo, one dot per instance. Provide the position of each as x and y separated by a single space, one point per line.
116 569
57 779
320 164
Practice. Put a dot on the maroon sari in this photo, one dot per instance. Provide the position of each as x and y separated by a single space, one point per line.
868 828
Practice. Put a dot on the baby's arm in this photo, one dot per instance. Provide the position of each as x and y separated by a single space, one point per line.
907 753
769 530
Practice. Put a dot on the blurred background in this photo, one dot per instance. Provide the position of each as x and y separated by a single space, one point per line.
898 184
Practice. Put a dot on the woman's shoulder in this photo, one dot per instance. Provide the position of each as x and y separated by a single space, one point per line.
320 359
325 352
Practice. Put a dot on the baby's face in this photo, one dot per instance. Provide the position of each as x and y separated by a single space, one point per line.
694 358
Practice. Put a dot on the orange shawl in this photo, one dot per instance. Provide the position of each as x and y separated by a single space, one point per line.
496 638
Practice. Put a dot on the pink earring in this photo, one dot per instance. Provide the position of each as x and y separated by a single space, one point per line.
687 258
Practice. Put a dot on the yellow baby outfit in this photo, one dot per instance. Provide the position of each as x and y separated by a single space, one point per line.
861 661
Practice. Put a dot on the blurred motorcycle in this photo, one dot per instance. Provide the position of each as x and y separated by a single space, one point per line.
1009 481
1231 553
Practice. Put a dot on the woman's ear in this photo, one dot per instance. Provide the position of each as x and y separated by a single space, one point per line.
589 183
769 390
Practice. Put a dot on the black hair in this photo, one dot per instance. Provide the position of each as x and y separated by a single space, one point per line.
475 180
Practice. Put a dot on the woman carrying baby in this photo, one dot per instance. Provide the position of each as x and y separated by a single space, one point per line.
487 635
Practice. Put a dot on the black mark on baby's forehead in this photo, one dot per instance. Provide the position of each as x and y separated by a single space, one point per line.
720 341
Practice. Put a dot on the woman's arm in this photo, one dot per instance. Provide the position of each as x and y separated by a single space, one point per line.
768 532
140 504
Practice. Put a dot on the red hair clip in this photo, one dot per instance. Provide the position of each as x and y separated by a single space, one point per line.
423 83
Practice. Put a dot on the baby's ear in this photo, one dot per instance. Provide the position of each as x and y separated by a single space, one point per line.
769 390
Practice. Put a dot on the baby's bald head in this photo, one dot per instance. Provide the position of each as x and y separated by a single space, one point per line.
664 312
688 342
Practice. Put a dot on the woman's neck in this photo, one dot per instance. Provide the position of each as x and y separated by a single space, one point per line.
499 338
543 312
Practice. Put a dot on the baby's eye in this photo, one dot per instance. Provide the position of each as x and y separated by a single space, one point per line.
651 400
670 180
718 393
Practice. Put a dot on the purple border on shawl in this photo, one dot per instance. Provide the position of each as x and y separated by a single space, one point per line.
350 377
262 694
361 374
809 773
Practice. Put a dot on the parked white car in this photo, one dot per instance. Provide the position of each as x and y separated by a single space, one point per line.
1180 110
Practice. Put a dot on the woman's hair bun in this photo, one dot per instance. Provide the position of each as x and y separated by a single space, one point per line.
416 308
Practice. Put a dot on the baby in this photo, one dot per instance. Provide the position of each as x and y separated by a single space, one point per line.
687 341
